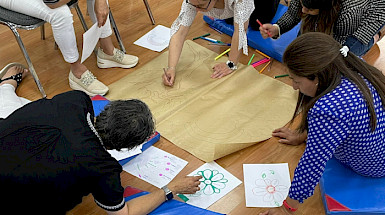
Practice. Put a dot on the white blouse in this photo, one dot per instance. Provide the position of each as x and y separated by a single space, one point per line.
239 9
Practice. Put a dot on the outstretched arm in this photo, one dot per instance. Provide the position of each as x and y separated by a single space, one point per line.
221 69
147 203
175 49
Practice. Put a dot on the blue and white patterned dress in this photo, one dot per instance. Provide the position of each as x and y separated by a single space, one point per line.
339 125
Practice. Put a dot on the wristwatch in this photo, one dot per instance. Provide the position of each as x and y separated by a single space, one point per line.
231 65
168 193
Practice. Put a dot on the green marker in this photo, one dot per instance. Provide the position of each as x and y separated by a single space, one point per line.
183 197
251 59
205 35
281 76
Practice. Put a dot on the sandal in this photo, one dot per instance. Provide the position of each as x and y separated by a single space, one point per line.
18 77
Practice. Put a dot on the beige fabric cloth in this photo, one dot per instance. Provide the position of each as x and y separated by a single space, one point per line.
209 118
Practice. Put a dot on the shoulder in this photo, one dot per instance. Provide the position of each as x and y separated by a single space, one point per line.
354 4
72 97
73 101
340 101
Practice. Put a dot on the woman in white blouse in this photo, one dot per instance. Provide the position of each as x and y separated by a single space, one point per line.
221 9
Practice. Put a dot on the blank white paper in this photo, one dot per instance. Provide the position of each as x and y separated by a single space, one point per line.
90 39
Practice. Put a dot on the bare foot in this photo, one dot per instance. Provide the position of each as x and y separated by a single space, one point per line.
14 71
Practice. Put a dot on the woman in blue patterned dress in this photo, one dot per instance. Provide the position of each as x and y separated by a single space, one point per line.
342 101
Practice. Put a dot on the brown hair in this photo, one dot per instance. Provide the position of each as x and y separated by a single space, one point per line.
317 55
324 21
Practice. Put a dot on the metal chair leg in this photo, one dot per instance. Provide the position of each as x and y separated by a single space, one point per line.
81 17
29 62
42 32
149 11
117 34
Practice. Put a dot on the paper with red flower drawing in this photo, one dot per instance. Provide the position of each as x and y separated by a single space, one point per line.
266 185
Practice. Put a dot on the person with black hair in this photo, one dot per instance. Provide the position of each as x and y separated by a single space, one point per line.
342 105
54 152
353 23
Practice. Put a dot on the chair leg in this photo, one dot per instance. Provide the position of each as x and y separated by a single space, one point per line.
149 11
29 62
81 17
42 32
117 34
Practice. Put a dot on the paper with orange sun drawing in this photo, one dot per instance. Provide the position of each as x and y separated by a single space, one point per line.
266 185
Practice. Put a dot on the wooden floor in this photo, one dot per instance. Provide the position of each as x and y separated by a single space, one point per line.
133 22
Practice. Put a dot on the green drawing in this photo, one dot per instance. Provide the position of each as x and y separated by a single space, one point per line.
212 181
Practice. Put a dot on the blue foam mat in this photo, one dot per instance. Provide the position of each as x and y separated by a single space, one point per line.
172 207
273 48
359 194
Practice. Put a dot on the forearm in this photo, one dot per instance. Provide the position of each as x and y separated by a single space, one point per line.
147 203
303 136
176 45
372 23
292 202
290 18
235 53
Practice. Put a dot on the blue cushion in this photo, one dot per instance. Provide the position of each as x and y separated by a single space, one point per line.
172 207
273 48
346 192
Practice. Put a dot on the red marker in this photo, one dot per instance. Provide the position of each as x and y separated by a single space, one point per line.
262 27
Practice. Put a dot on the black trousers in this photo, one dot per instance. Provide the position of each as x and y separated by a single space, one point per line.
264 11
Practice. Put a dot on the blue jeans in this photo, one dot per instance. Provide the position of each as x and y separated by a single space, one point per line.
357 47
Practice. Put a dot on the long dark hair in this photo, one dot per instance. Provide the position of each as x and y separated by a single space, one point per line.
325 20
317 55
125 124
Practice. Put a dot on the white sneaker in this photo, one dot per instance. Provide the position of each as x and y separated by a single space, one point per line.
119 59
87 83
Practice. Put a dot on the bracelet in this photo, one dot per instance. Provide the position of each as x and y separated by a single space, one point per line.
171 67
279 32
287 206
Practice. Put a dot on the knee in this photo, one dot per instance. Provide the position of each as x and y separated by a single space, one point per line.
61 18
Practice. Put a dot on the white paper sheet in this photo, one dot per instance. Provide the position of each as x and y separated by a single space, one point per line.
215 184
157 39
266 185
90 39
123 154
155 166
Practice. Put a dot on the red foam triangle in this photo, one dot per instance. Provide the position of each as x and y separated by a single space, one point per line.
98 97
129 191
334 205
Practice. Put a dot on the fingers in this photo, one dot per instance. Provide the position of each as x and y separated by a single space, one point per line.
185 184
263 32
168 79
264 213
284 141
221 70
